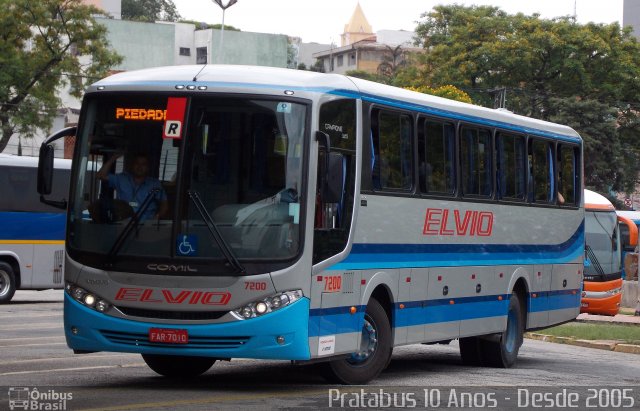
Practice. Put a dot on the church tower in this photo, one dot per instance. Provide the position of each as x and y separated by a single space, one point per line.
358 28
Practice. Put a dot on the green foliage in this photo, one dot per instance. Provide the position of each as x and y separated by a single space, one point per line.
318 66
205 26
587 76
365 75
449 91
40 49
149 10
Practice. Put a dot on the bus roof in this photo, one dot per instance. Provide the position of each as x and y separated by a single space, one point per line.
254 79
596 202
29 161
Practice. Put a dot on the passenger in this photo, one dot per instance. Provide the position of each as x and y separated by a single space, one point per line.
134 186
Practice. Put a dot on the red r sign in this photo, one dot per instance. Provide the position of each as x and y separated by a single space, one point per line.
176 107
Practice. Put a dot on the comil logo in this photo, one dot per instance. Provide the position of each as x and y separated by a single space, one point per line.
25 398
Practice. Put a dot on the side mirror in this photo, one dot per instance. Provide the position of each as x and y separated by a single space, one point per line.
45 169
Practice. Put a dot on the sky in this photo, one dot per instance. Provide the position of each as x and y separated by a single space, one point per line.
322 21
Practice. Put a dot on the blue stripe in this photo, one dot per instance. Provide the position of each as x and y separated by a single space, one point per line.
457 116
365 97
32 226
369 256
338 320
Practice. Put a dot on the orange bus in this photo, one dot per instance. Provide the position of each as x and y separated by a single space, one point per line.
601 293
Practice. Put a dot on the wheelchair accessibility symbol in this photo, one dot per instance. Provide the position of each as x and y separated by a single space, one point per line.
187 245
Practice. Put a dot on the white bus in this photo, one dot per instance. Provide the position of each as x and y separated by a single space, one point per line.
251 212
31 233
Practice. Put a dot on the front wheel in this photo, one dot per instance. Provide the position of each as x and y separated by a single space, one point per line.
175 366
375 351
7 283
503 351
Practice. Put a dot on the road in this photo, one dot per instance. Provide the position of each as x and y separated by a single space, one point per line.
34 355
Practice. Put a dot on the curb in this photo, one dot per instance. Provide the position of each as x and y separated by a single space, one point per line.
597 344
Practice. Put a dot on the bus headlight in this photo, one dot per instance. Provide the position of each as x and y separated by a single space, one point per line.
267 305
87 298
614 291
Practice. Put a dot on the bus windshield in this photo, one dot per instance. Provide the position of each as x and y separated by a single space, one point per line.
227 189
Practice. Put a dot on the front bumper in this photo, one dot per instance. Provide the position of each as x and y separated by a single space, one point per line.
254 338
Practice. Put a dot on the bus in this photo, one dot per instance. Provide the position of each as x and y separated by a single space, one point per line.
603 255
625 234
314 218
31 233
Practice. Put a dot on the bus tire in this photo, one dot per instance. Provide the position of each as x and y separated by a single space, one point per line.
502 352
174 366
471 350
7 283
375 351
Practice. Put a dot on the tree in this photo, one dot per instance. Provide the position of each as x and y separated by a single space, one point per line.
450 92
393 59
202 26
550 69
41 49
149 10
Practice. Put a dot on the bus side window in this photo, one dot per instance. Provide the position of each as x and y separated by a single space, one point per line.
541 172
393 151
511 169
436 157
475 162
567 176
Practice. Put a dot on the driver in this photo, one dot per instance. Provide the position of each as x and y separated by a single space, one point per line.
134 186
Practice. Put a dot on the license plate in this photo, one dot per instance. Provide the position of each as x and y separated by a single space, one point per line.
168 336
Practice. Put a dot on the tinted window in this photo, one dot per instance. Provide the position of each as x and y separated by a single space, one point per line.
475 161
567 176
541 164
512 171
18 189
392 148
435 157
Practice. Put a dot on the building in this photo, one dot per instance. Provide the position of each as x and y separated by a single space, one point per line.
631 15
363 50
145 45
357 29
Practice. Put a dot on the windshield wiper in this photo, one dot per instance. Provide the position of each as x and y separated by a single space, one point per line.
133 223
215 233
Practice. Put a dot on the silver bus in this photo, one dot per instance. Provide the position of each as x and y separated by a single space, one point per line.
251 212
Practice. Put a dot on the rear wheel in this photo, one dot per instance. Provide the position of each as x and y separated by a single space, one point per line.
503 352
7 283
375 351
174 366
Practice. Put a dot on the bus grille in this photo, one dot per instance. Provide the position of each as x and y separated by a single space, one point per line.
142 340
172 315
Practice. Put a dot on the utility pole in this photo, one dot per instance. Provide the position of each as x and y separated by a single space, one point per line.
224 7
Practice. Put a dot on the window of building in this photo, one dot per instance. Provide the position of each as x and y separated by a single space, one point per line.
436 156
352 59
511 167
475 161
392 150
185 51
201 55
340 61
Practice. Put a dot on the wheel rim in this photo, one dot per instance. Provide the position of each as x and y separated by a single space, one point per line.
512 331
5 283
368 342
